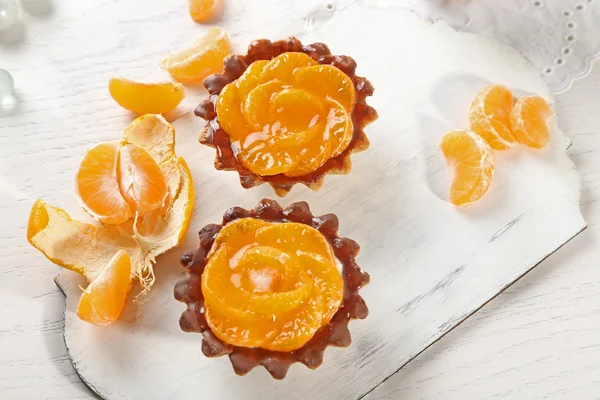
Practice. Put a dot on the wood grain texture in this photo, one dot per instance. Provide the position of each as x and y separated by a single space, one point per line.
538 339
64 109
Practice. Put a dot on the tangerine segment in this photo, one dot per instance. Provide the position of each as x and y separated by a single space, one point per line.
203 58
259 157
141 181
250 78
328 81
253 332
103 300
329 284
339 129
218 289
310 158
278 303
162 229
529 121
297 327
146 98
474 165
283 66
157 136
229 113
204 10
237 234
490 116
256 106
97 186
296 117
292 236
228 320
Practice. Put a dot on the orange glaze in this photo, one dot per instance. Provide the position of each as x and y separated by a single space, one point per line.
270 285
288 115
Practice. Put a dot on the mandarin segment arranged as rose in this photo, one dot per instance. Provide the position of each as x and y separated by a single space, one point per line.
288 115
270 285
141 194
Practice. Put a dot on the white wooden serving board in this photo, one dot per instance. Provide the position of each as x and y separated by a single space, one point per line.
431 264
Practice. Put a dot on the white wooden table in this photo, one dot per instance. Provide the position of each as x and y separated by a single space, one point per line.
538 340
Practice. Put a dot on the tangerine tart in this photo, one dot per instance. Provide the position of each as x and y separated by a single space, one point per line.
285 113
264 288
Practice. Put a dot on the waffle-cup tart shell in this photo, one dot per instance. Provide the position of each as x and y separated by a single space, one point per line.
235 65
244 359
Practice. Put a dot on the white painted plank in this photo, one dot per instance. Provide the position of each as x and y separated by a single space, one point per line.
431 265
65 108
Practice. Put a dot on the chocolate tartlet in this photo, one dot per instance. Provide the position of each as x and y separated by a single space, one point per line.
229 150
335 332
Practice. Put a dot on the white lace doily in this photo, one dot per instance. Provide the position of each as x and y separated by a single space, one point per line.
560 37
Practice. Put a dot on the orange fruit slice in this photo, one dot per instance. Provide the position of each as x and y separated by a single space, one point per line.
473 162
283 66
204 10
259 157
103 300
334 139
490 116
146 98
329 283
292 236
339 128
309 159
255 107
529 121
250 78
157 136
238 234
296 117
301 325
97 186
328 81
141 181
229 113
203 58
228 322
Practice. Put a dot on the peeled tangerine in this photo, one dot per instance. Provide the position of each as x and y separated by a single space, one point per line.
270 285
473 162
142 192
103 300
490 116
529 121
289 115
117 180
203 58
204 10
146 98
